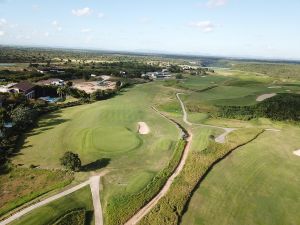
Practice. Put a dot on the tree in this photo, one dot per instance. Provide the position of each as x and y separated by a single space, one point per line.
71 161
179 76
23 116
63 91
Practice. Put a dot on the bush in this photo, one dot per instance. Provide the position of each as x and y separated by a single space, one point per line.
75 217
71 161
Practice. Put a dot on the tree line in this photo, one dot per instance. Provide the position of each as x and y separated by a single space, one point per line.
280 107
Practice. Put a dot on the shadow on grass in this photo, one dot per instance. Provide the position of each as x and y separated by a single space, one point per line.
96 165
89 217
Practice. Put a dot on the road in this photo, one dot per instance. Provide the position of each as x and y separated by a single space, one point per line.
94 183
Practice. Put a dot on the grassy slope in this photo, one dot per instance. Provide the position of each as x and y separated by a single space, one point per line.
258 184
54 210
171 206
22 185
101 130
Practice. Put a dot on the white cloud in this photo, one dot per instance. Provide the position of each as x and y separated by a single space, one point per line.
82 12
46 34
56 24
216 3
3 22
100 15
35 7
205 26
2 33
86 30
145 20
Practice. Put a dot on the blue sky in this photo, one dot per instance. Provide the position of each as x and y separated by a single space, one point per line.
249 28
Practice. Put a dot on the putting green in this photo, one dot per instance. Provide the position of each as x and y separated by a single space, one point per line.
107 140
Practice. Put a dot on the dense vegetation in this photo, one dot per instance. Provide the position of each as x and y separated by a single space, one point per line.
120 209
280 107
75 217
21 185
170 208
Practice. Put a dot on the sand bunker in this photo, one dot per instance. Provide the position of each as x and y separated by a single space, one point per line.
275 87
143 128
297 153
264 97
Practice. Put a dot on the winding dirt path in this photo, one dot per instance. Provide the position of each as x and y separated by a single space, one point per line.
94 183
147 208
220 139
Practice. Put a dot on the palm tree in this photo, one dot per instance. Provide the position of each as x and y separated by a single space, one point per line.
61 91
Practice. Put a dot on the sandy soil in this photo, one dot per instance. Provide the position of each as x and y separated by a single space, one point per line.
297 153
143 128
271 87
264 97
92 86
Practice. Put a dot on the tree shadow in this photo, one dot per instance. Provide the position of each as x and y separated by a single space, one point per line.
89 217
96 165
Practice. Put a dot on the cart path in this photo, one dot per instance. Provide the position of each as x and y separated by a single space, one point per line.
147 208
95 189
94 183
220 139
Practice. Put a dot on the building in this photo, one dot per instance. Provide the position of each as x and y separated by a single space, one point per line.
57 82
26 88
157 75
7 88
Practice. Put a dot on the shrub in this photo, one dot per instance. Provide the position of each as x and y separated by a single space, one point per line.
74 217
71 161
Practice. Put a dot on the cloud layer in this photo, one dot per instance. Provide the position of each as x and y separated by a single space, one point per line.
205 26
82 12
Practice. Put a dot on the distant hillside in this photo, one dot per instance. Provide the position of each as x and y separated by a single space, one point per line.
271 69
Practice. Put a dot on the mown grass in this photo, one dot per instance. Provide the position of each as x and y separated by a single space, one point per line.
21 185
121 208
258 184
171 207
49 214
108 130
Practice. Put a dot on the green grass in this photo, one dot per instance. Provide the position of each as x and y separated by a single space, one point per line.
258 184
170 207
121 208
108 129
48 214
21 185
75 217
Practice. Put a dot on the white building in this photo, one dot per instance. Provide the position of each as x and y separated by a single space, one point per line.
7 88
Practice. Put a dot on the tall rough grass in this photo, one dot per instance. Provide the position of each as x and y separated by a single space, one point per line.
172 206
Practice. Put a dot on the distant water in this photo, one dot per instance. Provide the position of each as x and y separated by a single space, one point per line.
7 64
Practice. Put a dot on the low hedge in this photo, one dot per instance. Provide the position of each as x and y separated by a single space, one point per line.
74 217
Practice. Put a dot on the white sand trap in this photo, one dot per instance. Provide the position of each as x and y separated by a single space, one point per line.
264 97
143 128
275 87
297 153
